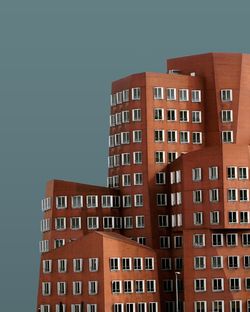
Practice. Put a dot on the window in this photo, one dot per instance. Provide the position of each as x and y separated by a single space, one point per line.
118 307
233 262
226 115
166 264
91 307
137 136
108 222
231 194
139 286
46 288
198 218
77 288
160 178
232 239
214 195
160 157
125 159
45 308
125 116
137 157
197 196
184 137
61 202
158 114
233 216
218 284
227 137
158 93
114 264
138 200
149 263
92 201
200 285
130 307
214 217
61 307
161 199
199 240
183 95
196 174
216 262
177 241
126 180
118 97
244 195
136 94
118 118
196 96
151 286
142 307
59 242
46 204
61 288
197 137
77 265
226 95
75 223
217 240
171 115
128 287
163 220
153 307
126 264
232 173
77 201
60 223
244 217
243 173
235 306
125 139
171 94
116 287
164 242
184 116
62 265
246 261
128 222
126 199
172 136
139 222
93 223
172 156
125 95
138 179
196 117
47 266
213 173
235 284
245 240
93 264
93 287
218 306
200 263
159 136
136 114
138 265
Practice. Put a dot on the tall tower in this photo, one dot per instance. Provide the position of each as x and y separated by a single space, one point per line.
171 230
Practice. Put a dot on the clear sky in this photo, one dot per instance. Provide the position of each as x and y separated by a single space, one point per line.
57 61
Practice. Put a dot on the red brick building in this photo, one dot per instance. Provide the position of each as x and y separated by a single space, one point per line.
171 230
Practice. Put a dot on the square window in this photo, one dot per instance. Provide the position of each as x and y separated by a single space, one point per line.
196 117
171 115
227 137
136 94
184 116
183 95
196 96
158 114
226 95
158 93
171 94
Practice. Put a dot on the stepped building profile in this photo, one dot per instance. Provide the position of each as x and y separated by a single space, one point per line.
171 231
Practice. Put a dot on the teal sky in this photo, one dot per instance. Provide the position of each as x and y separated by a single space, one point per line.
57 61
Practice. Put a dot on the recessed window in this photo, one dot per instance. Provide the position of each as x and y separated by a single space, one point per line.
243 173
200 263
171 94
47 266
77 288
196 174
232 239
217 240
200 285
128 222
232 195
232 173
138 264
126 180
93 264
138 179
214 217
226 95
125 138
213 173
158 93
226 116
116 287
183 95
197 137
62 265
197 196
214 195
46 288
126 264
227 137
233 216
198 218
184 137
61 202
196 96
126 200
137 158
138 200
245 238
216 262
161 199
171 115
218 284
158 114
172 136
137 136
118 97
160 157
199 240
160 178
128 287
164 242
77 265
92 201
93 287
114 264
151 287
93 223
172 156
61 288
136 94
235 284
139 220
136 114
77 201
125 95
196 117
60 223
125 159
75 223
184 116
125 116
163 221
244 195
159 136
